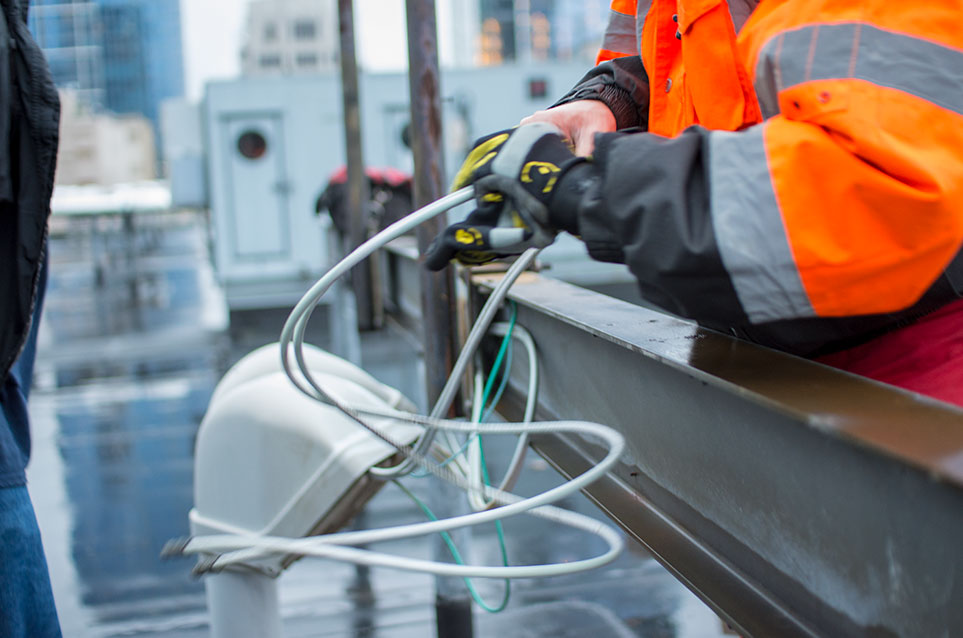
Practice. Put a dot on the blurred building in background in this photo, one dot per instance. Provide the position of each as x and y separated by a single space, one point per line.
143 55
290 36
577 28
103 148
459 23
118 56
70 35
540 30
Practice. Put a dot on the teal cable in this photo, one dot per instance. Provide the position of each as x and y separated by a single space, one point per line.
503 356
506 341
503 384
504 352
500 532
505 348
456 555
451 457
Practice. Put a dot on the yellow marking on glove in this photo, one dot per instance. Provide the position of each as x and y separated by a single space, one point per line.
474 257
517 220
493 197
478 157
543 168
469 236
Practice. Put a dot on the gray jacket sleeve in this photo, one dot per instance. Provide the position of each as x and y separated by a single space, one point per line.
644 201
649 208
621 84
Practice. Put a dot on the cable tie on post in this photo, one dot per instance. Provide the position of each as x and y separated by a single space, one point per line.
175 547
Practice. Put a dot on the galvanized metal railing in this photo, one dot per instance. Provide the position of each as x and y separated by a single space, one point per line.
794 499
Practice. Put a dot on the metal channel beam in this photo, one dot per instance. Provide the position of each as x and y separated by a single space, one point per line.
796 500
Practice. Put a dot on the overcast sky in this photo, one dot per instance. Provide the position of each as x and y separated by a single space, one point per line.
212 38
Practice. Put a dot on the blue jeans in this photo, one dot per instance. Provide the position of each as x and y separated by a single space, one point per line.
26 600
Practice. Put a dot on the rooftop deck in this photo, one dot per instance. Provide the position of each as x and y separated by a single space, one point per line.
134 338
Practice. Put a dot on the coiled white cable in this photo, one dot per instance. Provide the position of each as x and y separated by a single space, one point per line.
234 549
515 465
246 548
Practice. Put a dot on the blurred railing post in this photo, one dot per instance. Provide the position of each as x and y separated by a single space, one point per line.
453 607
357 185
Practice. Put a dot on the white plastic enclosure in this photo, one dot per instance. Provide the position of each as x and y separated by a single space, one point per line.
269 460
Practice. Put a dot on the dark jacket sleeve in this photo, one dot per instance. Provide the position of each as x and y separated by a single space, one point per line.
646 204
650 210
621 84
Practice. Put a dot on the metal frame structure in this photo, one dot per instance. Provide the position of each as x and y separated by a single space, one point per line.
794 499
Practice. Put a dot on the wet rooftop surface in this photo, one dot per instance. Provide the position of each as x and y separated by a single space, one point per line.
133 340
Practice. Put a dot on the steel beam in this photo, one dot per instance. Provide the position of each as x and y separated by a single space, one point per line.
794 499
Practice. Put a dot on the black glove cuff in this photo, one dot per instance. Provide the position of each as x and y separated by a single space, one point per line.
611 95
577 183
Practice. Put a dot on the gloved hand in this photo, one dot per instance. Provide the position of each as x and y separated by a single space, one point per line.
515 174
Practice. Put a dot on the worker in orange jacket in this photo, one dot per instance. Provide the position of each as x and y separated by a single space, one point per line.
789 172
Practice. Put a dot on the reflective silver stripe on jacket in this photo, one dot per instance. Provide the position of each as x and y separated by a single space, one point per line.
749 229
641 11
923 68
621 35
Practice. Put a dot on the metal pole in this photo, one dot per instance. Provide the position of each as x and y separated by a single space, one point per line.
453 608
243 605
357 184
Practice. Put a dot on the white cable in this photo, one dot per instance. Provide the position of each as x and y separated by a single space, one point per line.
477 333
243 549
309 301
513 504
515 465
521 447
537 505
296 324
246 548
474 471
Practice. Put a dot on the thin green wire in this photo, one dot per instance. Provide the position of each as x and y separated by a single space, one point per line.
506 347
504 352
506 342
502 385
451 457
458 559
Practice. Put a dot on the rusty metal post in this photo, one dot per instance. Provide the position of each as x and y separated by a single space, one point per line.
452 605
357 185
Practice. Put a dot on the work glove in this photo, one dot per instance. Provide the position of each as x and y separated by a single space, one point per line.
515 174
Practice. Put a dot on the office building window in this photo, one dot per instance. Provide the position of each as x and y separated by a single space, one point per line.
307 60
270 32
270 61
304 29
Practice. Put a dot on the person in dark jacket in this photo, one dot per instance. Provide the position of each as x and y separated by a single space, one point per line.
788 172
389 193
29 129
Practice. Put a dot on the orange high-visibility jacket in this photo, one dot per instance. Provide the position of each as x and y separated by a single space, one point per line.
825 178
